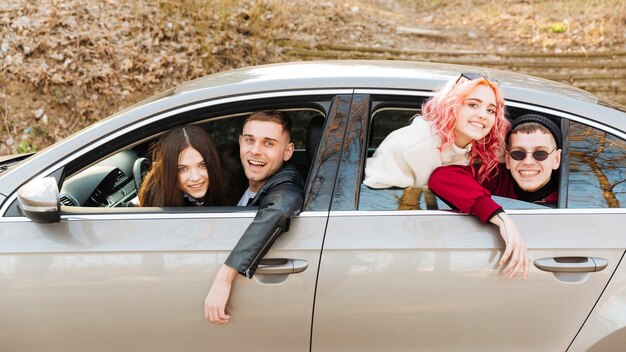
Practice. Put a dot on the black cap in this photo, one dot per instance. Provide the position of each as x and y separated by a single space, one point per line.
542 120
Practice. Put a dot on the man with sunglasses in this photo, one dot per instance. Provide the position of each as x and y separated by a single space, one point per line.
528 173
533 154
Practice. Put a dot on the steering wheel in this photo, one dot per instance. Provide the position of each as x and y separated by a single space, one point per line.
140 169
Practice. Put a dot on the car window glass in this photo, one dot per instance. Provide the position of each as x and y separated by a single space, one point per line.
385 121
597 169
225 130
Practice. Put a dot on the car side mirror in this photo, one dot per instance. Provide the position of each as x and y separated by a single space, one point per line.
39 200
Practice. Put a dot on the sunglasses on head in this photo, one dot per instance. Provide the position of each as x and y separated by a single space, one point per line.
539 155
473 75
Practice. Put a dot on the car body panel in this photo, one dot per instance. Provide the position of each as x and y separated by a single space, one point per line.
139 283
605 329
432 282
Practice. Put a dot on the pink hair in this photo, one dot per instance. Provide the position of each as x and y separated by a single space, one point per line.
441 109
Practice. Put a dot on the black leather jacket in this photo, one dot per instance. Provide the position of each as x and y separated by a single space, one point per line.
279 199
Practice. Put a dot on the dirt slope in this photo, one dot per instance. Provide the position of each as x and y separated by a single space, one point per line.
66 64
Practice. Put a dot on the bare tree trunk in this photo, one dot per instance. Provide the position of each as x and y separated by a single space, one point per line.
605 184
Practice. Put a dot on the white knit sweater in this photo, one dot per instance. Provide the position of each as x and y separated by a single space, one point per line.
409 155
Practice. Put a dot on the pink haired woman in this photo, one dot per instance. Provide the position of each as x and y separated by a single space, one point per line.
463 124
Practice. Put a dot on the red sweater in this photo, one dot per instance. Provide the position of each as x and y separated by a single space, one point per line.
456 185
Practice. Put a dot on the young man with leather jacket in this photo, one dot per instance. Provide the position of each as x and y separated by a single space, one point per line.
275 186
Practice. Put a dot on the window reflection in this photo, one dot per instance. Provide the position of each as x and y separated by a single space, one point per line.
597 175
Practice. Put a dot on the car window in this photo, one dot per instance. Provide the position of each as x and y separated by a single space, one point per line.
110 182
383 122
597 169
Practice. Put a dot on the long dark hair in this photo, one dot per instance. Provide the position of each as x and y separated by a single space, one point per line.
160 187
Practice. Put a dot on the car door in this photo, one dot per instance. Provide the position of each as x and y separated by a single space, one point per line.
133 279
429 279
597 181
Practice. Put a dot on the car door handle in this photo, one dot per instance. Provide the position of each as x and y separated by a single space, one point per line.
280 266
571 264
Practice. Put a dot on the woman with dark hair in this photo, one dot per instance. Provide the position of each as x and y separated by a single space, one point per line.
186 171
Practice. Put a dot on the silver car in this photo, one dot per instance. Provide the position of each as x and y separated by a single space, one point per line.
81 272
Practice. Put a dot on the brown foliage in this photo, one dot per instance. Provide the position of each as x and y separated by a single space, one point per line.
66 64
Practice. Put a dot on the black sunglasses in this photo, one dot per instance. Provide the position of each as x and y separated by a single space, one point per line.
539 155
473 75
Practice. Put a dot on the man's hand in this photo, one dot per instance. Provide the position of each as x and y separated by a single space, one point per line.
216 299
515 252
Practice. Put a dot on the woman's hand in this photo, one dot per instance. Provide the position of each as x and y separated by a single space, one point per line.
515 252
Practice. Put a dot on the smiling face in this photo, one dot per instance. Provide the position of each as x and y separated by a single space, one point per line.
529 173
193 177
263 148
476 116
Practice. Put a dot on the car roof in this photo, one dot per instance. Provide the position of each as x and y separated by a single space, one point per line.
370 75
397 75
